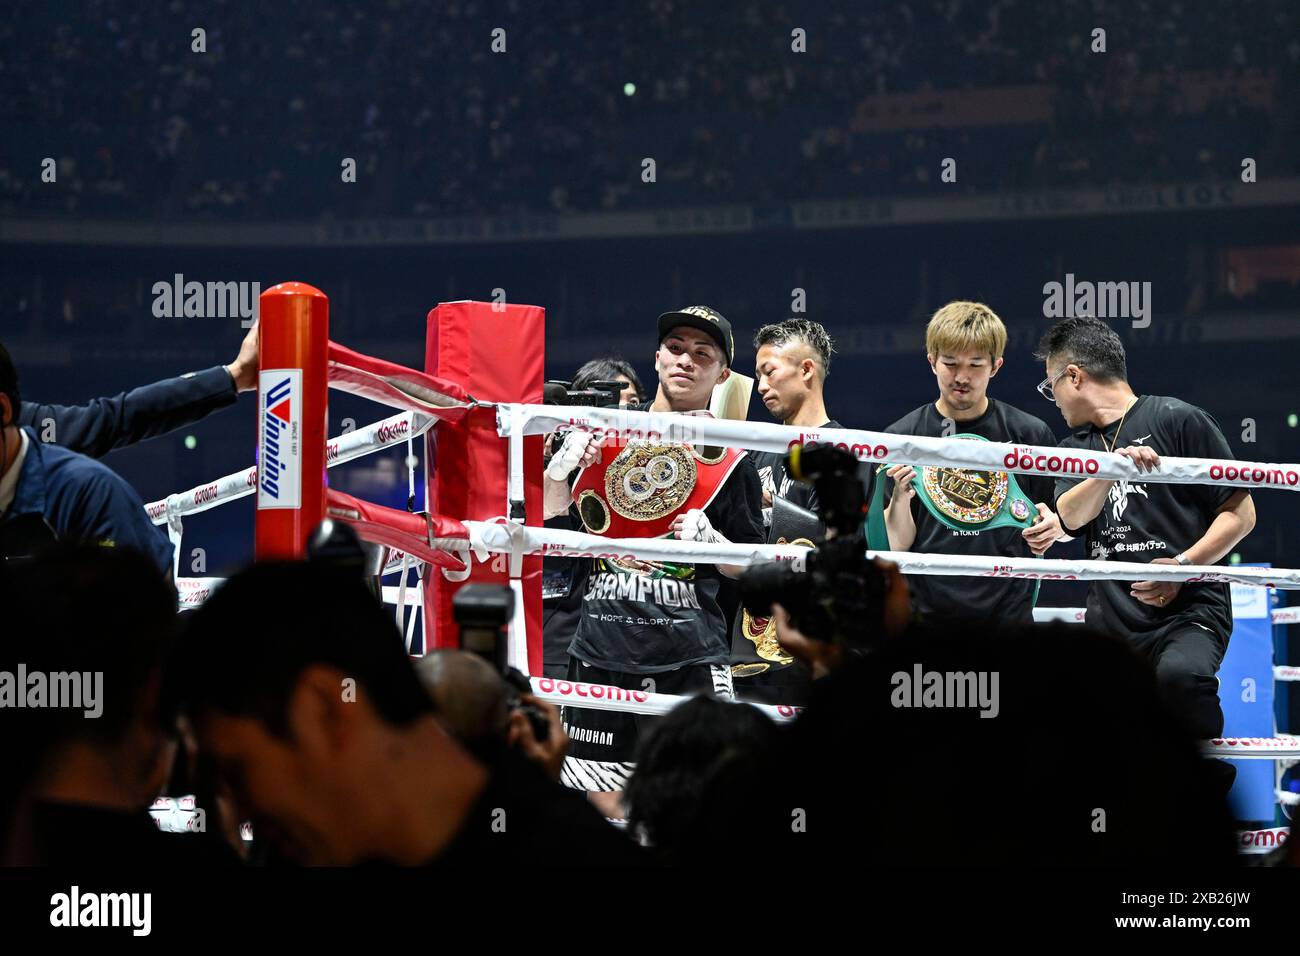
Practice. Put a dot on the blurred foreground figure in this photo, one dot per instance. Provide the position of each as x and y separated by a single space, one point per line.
299 687
86 633
973 745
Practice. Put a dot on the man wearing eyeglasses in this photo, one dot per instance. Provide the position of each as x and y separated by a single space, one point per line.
1183 629
962 511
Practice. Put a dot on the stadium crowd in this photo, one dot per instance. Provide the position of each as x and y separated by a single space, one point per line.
727 109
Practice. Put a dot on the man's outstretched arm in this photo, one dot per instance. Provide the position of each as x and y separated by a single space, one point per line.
103 424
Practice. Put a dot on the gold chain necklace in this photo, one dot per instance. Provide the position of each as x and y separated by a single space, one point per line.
1115 440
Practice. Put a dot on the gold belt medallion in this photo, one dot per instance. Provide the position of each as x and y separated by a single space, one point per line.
646 482
966 496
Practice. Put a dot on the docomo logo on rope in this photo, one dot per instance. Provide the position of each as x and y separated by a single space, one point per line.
385 433
1252 742
627 426
1023 459
567 551
278 433
205 494
156 510
1276 836
1256 476
394 431
860 452
606 433
593 691
1007 571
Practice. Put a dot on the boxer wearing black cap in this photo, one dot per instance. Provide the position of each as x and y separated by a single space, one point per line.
650 626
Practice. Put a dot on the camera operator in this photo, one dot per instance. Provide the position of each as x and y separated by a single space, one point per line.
485 714
563 579
840 600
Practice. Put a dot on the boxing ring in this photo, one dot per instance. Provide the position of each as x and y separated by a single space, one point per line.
484 509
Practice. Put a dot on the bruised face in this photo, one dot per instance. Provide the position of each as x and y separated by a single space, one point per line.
785 377
964 377
689 364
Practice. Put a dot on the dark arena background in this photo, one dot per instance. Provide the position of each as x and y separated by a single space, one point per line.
857 164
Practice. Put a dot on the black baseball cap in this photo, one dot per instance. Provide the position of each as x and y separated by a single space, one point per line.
708 321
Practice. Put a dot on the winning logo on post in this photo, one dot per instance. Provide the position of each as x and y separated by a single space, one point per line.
279 460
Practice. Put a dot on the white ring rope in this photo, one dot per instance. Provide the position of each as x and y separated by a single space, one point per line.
883 447
346 447
1076 615
1253 748
505 537
621 700
1253 842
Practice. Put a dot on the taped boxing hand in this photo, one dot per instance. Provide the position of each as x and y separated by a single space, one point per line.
580 449
694 525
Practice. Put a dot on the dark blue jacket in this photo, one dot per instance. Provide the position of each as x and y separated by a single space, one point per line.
69 497
98 427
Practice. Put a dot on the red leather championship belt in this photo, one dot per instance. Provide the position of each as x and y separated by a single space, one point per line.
638 487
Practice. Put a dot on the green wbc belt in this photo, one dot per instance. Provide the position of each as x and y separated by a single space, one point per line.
961 499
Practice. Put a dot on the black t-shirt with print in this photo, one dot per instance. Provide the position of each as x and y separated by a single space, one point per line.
779 483
1144 520
658 619
963 595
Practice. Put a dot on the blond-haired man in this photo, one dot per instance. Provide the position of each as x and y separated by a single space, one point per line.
967 512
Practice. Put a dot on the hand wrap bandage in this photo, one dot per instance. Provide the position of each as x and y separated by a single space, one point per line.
570 455
696 527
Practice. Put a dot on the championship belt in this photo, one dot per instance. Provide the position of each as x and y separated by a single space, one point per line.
962 499
754 648
637 492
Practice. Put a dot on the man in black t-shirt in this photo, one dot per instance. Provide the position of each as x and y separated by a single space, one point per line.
790 368
1183 629
647 626
964 342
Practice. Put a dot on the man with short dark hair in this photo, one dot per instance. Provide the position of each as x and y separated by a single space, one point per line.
1183 629
791 363
332 746
50 494
790 368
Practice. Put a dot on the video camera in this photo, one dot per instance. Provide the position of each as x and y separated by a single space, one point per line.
603 394
482 612
840 595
